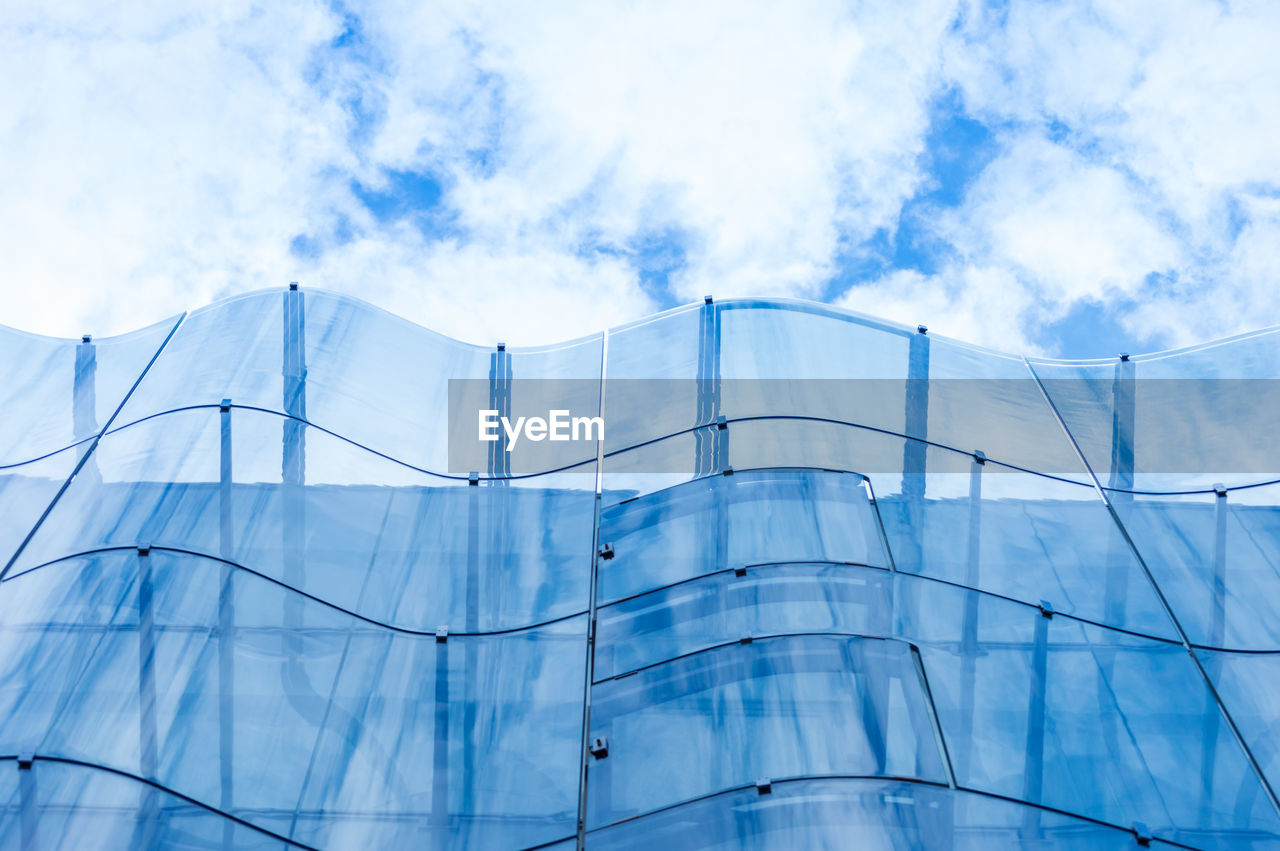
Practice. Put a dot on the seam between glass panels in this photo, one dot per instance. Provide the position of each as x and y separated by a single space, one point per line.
196 554
738 470
84 459
880 528
879 779
750 640
96 766
941 740
202 556
640 445
16 464
584 763
847 423
924 578
610 454
1190 648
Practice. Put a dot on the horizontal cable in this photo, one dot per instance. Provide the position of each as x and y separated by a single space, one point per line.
737 642
914 576
585 462
286 586
616 452
877 778
39 758
14 464
613 603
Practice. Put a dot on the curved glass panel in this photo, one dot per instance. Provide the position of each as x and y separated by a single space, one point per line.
983 525
768 600
764 358
1249 685
871 814
1182 420
1217 560
57 392
348 367
776 707
1046 710
1018 535
1021 535
727 521
334 520
26 491
1081 718
57 805
303 720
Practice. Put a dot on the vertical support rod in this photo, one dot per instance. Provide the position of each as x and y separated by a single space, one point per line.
293 456
914 452
584 766
226 627
969 633
440 750
84 409
29 803
1217 638
1120 480
1033 784
1259 774
707 444
148 756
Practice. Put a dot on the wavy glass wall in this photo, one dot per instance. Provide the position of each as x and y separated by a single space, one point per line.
825 581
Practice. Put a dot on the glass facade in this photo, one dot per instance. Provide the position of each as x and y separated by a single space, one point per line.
824 582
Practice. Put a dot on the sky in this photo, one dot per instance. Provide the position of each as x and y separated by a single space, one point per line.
1068 179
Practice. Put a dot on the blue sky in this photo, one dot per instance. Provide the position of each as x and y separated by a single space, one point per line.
1069 179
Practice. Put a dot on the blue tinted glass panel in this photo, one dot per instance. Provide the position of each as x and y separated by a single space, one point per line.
57 805
1021 535
767 600
777 707
346 366
308 722
1180 420
57 392
1084 719
726 521
341 523
1249 685
26 490
874 814
1217 559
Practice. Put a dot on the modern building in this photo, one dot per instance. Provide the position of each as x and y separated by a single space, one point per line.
825 582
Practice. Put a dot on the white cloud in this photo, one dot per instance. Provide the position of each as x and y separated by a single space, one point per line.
154 159
1162 161
977 305
762 134
1041 230
160 161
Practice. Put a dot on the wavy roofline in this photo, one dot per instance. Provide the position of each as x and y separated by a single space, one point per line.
740 302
